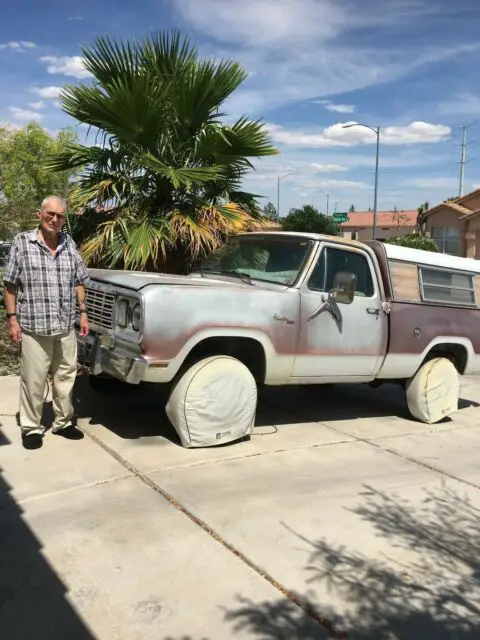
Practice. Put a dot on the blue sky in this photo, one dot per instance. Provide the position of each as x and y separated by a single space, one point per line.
408 66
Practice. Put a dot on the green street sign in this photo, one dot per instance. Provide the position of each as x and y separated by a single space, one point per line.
340 217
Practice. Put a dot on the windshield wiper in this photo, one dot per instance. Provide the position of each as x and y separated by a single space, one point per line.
228 272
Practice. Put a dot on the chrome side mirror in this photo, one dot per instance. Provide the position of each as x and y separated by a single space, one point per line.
344 285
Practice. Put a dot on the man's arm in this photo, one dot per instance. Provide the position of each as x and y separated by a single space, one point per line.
10 298
81 277
11 280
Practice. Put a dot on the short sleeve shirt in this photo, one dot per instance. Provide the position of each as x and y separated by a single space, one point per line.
45 283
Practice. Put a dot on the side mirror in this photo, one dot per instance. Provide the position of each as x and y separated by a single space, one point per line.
344 285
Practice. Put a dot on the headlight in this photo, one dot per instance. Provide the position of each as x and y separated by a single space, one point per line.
136 317
122 313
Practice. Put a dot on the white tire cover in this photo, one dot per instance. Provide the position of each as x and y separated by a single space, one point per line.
433 392
214 402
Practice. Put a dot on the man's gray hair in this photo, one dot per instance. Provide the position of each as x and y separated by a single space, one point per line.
61 201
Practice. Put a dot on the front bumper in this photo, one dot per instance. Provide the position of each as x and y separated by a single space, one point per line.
95 353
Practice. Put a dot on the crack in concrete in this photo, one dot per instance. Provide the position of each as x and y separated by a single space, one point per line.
307 608
78 487
402 456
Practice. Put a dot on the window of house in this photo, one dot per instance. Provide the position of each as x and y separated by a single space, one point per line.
447 286
447 239
332 261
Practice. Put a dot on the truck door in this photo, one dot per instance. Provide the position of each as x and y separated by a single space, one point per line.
349 347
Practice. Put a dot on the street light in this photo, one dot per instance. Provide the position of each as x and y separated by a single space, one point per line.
328 198
282 175
376 131
336 202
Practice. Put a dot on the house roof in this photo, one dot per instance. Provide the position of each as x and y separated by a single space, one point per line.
467 196
450 204
383 219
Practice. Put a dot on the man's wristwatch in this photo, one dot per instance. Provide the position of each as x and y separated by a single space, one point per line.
83 311
11 315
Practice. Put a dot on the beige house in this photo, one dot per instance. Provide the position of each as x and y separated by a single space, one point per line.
455 225
388 224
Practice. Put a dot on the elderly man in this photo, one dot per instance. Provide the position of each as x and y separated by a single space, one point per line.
43 275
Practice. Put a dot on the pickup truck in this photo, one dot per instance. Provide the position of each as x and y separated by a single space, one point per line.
279 308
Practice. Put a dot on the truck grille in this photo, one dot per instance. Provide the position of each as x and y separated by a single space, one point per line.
99 306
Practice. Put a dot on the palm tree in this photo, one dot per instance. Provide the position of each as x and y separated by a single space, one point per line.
163 183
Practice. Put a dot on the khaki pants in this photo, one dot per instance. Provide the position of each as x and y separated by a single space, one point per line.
41 355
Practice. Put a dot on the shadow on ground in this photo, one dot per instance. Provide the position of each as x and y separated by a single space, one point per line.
436 596
33 600
138 412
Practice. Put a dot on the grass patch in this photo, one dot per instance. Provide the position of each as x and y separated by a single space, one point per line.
9 352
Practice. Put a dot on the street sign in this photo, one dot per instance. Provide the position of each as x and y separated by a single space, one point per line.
340 217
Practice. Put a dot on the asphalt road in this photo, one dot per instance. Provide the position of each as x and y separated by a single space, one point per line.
340 517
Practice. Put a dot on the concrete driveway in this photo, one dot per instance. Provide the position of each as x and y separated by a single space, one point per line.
340 517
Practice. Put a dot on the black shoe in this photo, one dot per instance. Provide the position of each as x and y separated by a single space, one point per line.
32 440
70 433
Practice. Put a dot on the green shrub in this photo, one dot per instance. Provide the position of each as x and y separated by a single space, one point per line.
414 241
9 352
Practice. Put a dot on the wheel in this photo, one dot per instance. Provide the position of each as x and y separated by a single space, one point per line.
433 392
213 402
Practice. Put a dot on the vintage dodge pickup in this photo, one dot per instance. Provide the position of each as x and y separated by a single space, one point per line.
277 308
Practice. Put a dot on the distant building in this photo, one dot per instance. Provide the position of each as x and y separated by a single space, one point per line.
388 224
455 225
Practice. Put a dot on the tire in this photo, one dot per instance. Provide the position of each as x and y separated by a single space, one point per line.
433 392
213 402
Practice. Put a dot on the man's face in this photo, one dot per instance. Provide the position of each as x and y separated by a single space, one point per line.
52 217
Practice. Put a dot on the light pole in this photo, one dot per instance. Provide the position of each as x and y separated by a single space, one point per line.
376 131
282 175
328 199
336 202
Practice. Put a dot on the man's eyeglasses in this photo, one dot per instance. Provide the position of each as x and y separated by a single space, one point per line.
52 214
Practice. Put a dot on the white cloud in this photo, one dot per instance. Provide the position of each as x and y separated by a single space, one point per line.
49 93
433 182
334 184
37 105
66 65
24 114
18 45
338 136
304 50
328 168
263 22
58 104
338 108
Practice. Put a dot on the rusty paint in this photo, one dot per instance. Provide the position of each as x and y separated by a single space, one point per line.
433 321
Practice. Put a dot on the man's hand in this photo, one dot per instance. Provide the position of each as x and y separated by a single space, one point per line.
14 330
84 326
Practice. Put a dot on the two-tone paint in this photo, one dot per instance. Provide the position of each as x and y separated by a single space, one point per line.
377 337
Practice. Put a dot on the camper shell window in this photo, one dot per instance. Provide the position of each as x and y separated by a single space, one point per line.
447 287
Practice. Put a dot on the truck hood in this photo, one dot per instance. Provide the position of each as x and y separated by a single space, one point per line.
137 280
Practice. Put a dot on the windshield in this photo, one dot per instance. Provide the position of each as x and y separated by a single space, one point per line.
271 259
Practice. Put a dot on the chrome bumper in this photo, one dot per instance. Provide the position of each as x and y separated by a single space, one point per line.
94 353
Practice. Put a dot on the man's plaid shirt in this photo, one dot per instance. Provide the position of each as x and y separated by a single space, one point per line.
45 283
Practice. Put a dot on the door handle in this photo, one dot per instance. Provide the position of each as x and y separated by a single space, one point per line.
373 312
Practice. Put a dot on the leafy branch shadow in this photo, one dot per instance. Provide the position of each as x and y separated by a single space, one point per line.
434 593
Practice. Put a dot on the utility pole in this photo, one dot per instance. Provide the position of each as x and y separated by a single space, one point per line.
376 131
463 155
282 175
